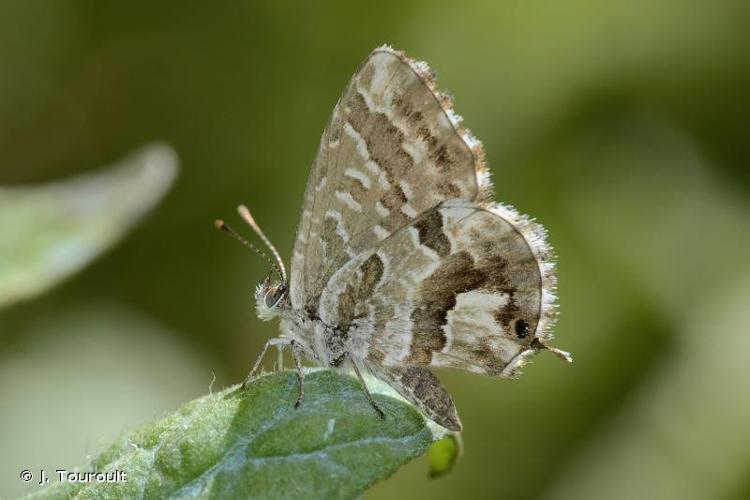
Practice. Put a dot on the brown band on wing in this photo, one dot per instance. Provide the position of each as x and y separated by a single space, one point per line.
437 296
356 294
387 151
431 235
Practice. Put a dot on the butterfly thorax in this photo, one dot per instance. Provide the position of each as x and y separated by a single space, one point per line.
326 344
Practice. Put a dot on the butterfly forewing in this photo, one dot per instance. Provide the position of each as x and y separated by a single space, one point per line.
390 152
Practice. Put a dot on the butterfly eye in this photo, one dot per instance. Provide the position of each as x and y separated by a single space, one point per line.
274 296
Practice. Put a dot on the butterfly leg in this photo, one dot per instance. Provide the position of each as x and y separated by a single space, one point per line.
280 342
279 358
296 351
367 391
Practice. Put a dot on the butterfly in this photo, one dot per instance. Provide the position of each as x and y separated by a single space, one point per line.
402 260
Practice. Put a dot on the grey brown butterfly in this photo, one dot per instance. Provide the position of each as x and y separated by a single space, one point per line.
402 260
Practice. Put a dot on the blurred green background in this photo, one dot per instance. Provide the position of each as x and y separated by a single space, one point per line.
623 127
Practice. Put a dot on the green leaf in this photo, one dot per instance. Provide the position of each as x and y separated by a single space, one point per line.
51 231
254 443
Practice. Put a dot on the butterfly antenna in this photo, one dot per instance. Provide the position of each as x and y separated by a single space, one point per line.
225 227
245 214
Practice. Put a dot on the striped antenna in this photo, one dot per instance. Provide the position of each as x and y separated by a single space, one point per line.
225 227
245 214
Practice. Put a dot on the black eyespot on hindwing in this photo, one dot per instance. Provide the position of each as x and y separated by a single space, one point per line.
522 328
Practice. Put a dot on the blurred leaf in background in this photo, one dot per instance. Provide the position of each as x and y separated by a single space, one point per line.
126 364
51 231
622 127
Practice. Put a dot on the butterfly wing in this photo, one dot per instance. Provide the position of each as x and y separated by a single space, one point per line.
418 385
463 286
392 150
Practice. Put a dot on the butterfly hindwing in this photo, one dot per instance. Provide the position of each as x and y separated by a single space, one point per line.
418 385
463 286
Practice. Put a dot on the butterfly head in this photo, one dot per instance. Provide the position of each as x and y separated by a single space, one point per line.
270 297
